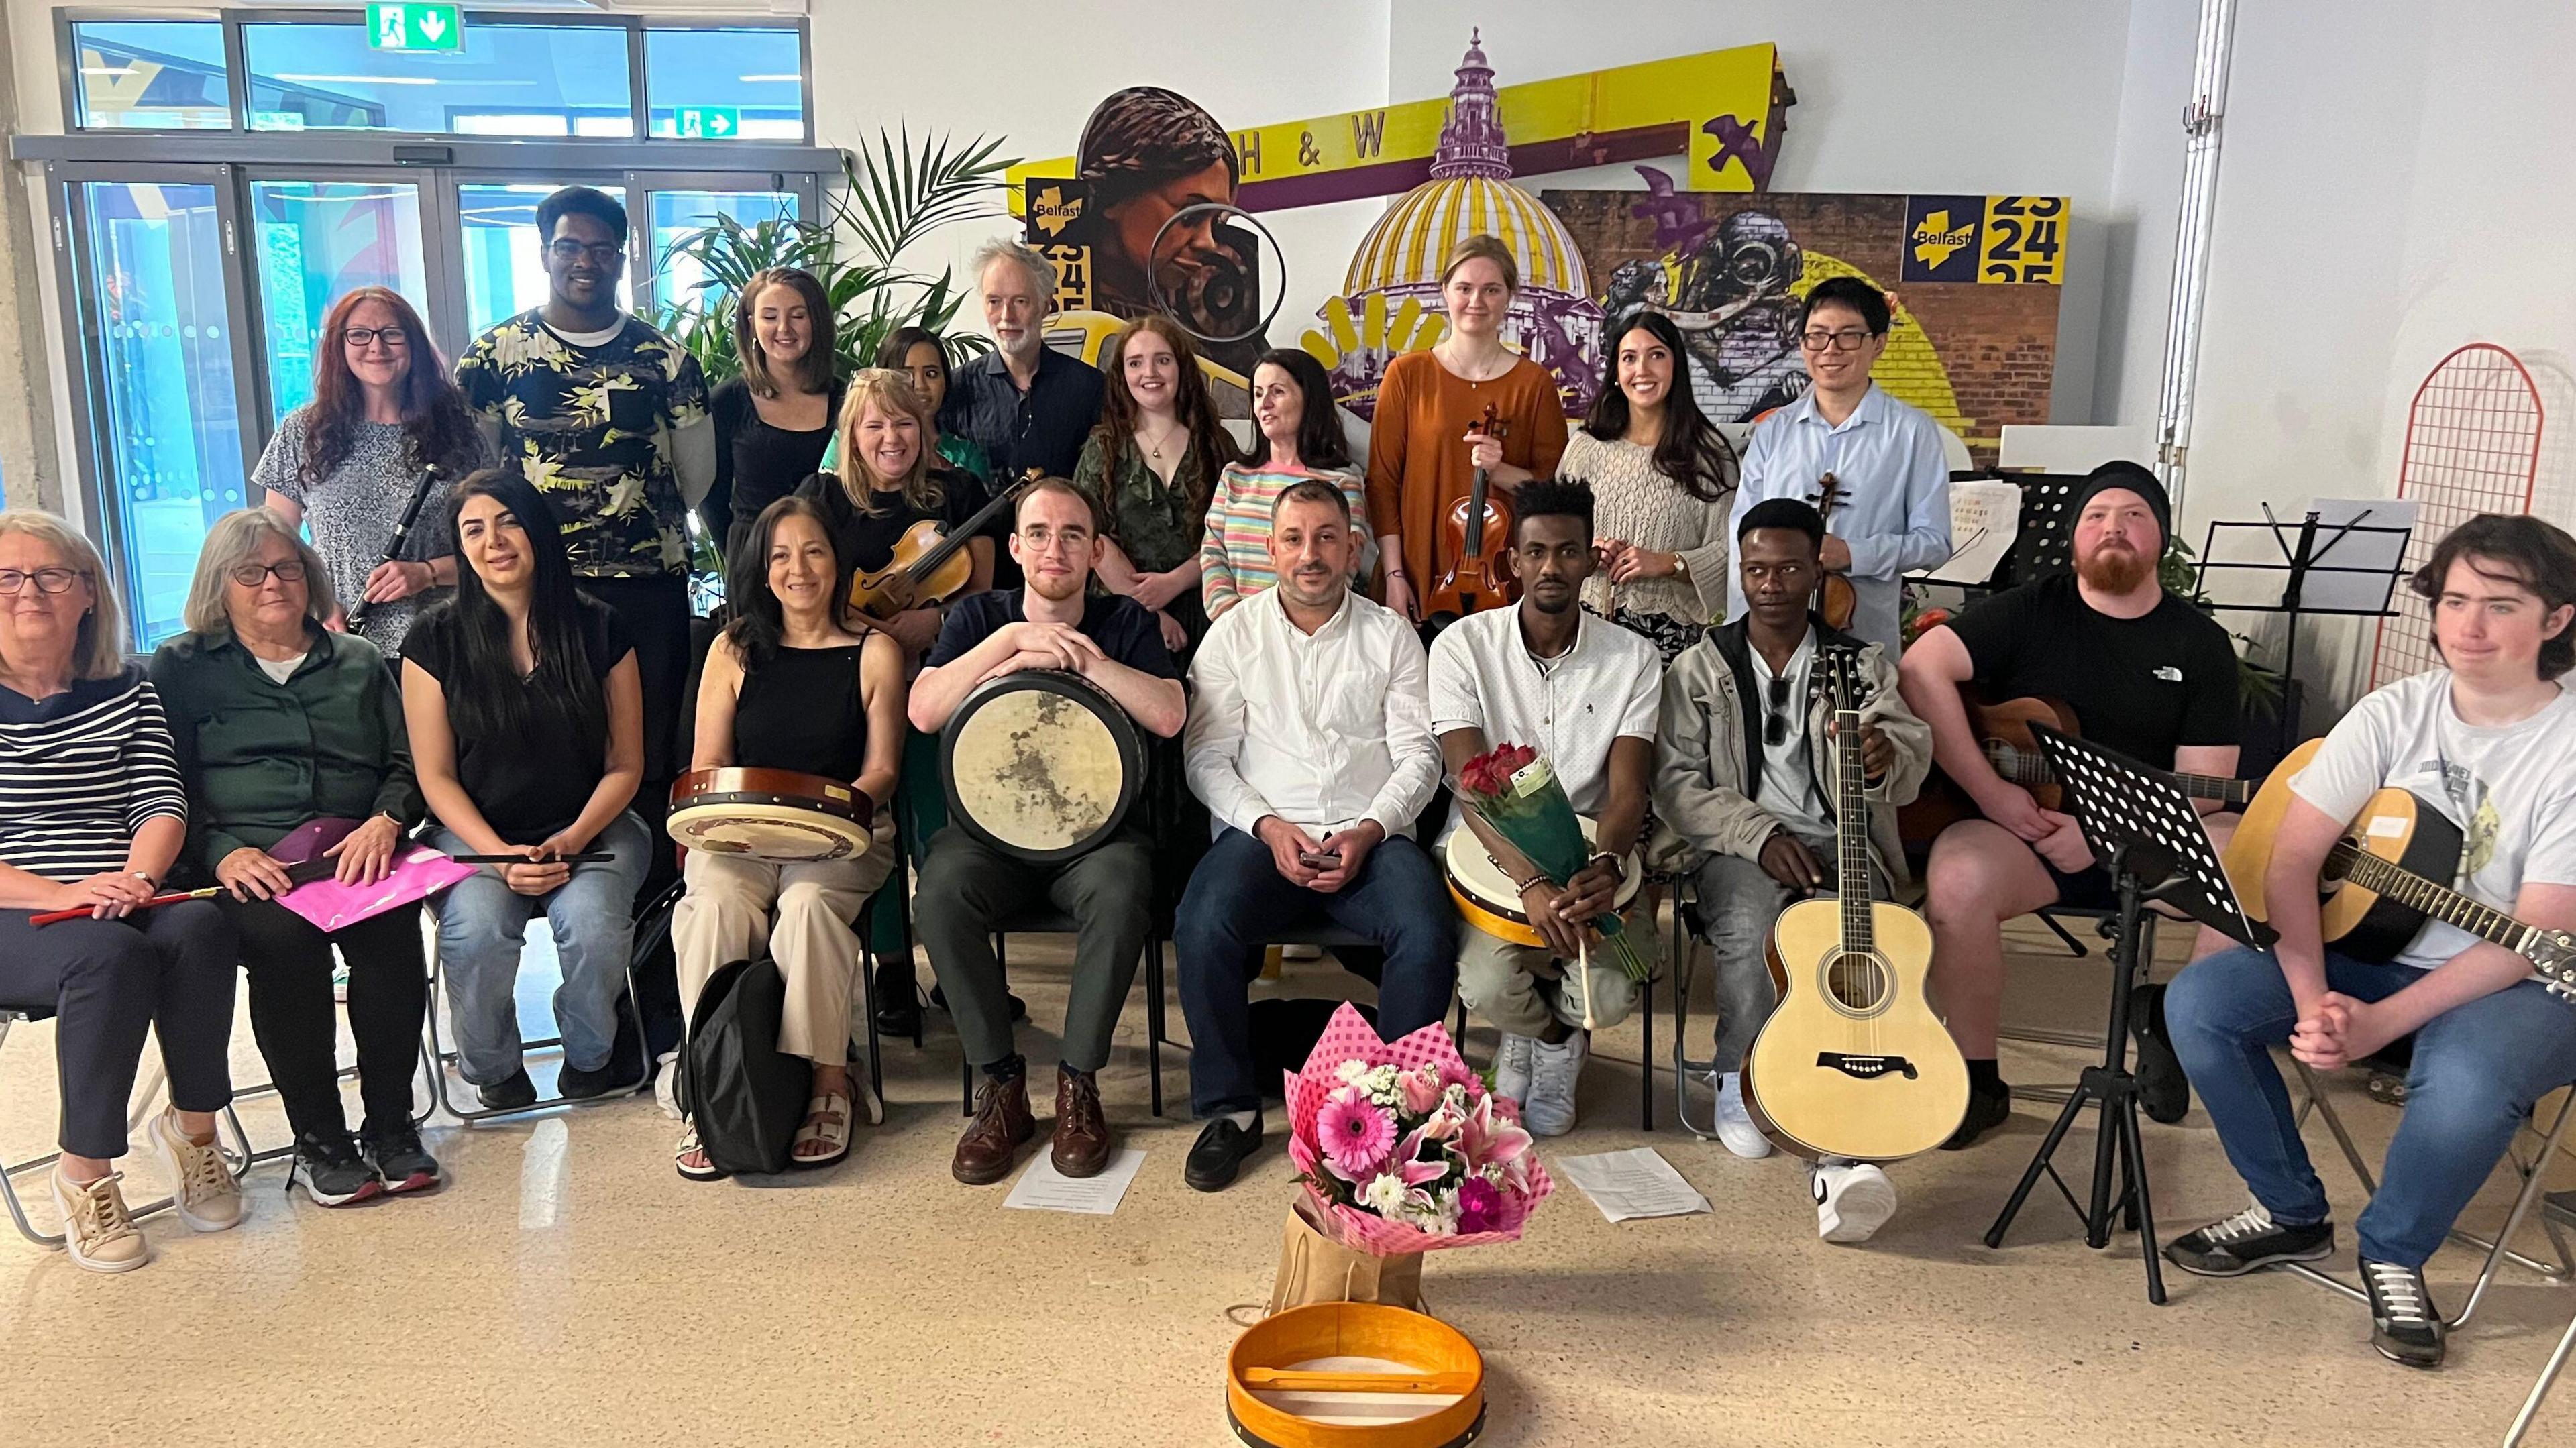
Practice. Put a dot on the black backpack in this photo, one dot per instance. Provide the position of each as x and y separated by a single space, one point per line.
745 1097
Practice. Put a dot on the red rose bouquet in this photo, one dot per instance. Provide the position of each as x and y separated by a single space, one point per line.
1516 791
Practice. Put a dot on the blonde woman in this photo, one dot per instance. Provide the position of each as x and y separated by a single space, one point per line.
92 817
887 479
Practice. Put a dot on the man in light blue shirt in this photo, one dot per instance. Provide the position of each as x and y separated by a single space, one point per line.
1893 513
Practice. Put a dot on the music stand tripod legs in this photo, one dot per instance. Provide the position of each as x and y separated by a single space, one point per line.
2141 824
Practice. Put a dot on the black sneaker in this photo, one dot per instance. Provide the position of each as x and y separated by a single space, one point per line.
2239 1244
575 1084
510 1094
1986 1111
332 1173
2162 1090
398 1157
1220 1153
2404 1325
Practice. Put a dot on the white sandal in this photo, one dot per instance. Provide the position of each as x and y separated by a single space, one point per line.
827 1120
704 1170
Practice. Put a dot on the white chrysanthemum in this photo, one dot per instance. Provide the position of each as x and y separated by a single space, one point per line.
1384 1194
1349 1072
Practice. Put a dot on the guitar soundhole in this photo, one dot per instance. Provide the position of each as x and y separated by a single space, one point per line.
1858 983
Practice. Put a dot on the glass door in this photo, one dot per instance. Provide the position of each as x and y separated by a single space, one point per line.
165 423
679 280
314 242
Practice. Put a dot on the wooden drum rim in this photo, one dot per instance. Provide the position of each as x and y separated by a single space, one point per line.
713 788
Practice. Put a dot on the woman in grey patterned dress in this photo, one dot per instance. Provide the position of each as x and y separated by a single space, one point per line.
383 409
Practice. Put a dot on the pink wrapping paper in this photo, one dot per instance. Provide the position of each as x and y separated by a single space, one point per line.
1349 1037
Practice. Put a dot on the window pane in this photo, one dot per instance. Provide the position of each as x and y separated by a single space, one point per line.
168 420
151 75
678 213
741 84
503 273
506 80
318 242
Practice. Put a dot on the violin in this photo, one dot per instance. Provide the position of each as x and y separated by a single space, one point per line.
1835 599
1478 530
929 564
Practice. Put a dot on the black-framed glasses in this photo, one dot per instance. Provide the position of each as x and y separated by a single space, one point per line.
1848 339
252 575
47 580
1775 731
602 253
361 338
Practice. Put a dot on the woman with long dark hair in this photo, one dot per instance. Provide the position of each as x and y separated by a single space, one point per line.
1663 481
788 686
1149 467
1301 439
774 420
384 411
527 734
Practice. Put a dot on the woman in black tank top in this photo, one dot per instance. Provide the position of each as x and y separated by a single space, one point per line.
788 687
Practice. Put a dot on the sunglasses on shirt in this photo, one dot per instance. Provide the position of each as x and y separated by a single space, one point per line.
1775 732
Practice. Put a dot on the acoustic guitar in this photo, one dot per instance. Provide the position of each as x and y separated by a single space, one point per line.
1835 599
929 562
1853 1063
2002 731
2385 878
1478 531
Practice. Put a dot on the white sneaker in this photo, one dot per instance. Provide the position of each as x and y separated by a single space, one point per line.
1852 1200
202 1188
97 1231
1735 1128
1554 1072
1512 1068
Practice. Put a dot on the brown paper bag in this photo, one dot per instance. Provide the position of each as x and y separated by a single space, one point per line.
1315 1268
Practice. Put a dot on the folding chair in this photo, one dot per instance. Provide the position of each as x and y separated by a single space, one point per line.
2556 1209
652 927
1044 919
2498 1250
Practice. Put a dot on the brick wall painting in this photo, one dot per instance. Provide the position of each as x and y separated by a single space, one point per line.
1975 281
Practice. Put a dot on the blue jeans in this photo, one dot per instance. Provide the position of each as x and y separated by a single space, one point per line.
1237 902
482 924
2477 1070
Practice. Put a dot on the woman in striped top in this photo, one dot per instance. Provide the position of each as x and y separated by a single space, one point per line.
1301 438
91 817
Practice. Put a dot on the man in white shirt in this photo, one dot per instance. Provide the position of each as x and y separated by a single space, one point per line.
1891 508
1583 692
1310 743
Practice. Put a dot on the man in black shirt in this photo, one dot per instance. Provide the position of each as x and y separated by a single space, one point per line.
967 887
1025 404
2146 674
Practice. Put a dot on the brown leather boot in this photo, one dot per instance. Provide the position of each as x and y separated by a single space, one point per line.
1002 1122
1081 1146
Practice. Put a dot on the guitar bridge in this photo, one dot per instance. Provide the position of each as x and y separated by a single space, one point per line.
1864 1067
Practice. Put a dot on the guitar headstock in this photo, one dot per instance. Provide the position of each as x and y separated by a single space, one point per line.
1839 675
2553 954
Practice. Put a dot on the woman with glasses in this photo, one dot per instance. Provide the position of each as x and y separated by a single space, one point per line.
526 716
1149 466
92 817
1422 457
774 421
1662 483
384 413
282 725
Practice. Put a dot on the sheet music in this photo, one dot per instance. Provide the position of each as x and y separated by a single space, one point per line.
2382 553
1985 517
1637 1182
1044 1189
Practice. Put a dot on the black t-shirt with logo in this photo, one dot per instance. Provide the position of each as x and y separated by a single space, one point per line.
2143 686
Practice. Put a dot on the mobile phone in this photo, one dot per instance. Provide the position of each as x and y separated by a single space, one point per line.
1320 859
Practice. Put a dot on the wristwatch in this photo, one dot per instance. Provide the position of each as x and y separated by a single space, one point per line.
1681 568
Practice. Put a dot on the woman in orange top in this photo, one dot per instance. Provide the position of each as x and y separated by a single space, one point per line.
1421 459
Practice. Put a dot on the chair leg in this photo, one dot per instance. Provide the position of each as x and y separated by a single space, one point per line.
1154 1019
868 1008
2534 1178
2540 1389
2074 947
1646 1061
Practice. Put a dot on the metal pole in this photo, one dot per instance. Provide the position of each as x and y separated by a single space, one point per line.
2192 229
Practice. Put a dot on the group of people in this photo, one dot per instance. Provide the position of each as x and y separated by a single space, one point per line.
513 677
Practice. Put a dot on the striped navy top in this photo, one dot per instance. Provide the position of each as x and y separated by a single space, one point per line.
80 773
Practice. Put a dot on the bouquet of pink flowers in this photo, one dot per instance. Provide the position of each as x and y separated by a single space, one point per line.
1402 1149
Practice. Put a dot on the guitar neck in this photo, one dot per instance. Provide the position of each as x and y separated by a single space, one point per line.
2027 769
1851 832
2390 880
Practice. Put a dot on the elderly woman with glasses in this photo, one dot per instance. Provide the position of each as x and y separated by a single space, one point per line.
280 725
384 413
92 817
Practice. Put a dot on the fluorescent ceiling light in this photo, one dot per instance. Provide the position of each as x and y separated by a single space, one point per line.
129 70
790 79
355 79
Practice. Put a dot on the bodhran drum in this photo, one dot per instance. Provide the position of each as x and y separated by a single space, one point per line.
1485 894
1041 764
776 815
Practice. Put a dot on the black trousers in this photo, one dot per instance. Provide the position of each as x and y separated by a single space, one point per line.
168 971
656 612
288 961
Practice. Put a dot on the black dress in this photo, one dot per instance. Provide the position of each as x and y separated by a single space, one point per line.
757 464
802 710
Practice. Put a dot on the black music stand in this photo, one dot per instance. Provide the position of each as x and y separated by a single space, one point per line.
2305 552
2044 544
2142 827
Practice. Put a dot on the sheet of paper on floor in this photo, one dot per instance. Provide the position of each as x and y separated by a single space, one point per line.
1637 1182
1044 1189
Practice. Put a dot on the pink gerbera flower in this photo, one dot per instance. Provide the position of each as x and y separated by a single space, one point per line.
1355 1137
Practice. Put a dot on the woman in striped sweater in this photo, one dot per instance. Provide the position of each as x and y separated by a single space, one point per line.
1301 438
91 817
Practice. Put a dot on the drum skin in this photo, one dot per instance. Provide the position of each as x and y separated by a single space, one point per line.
776 815
1041 764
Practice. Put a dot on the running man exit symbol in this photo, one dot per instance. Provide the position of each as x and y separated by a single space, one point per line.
414 26
708 123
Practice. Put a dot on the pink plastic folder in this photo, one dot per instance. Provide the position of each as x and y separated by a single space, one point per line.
419 872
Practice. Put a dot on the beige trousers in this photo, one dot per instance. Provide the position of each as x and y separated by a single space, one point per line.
1519 989
801 915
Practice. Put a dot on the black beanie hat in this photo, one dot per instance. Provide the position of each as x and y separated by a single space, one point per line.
2134 478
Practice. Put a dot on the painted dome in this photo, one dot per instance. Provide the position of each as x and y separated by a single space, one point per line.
1408 244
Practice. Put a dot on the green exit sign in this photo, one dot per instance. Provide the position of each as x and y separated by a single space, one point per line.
709 123
414 27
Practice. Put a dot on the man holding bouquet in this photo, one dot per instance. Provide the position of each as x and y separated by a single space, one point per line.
1310 743
1582 692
